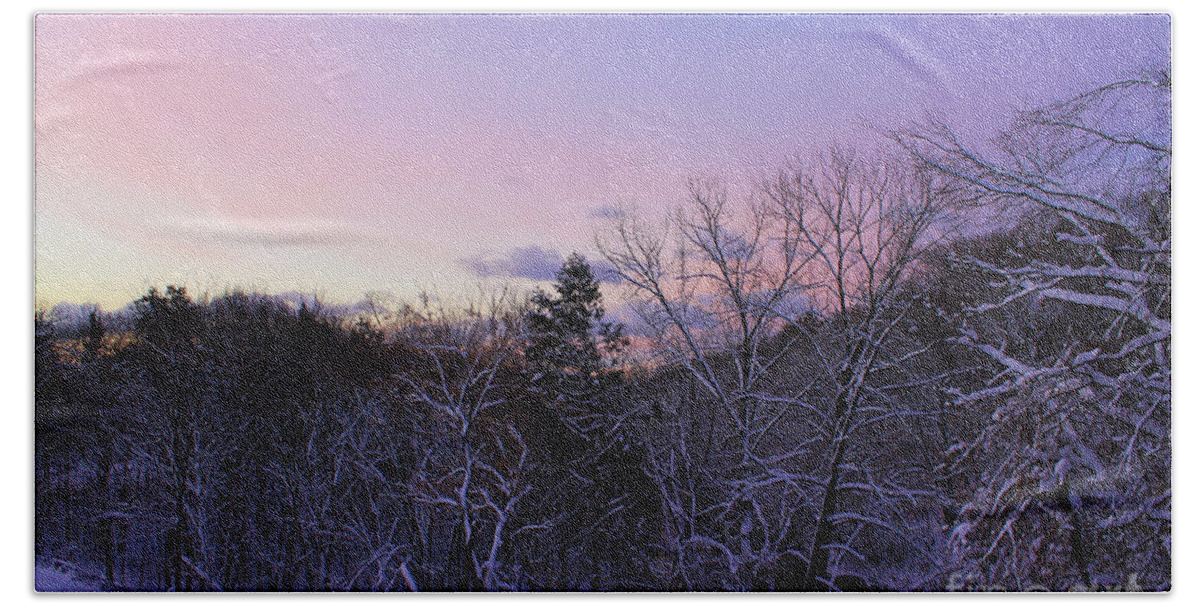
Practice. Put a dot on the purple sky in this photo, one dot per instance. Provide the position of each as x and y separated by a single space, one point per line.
346 154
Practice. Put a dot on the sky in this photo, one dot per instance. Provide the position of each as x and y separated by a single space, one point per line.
349 154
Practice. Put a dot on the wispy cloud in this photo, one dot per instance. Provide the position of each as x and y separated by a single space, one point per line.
268 233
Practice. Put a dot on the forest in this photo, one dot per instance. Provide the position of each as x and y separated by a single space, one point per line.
944 367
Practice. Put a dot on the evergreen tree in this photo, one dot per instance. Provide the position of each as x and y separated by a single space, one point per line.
572 349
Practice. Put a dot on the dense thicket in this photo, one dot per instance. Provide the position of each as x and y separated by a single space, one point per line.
846 384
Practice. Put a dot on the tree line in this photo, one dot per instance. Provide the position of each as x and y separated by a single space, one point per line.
944 369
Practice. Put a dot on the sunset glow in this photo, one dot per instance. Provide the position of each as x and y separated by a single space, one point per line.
348 154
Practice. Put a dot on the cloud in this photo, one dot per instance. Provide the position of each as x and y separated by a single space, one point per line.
607 212
269 233
605 272
532 262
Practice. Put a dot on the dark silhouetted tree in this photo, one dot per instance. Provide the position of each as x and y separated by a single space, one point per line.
571 347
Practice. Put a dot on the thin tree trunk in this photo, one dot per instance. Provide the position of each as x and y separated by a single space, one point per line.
818 563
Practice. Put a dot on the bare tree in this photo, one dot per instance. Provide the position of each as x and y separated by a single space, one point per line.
1076 460
473 463
863 229
357 491
168 328
815 271
714 290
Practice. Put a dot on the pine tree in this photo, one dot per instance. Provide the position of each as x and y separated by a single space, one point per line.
572 349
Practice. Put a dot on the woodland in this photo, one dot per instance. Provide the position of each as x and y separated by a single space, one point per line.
943 367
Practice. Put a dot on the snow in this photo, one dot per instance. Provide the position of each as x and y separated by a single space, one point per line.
56 579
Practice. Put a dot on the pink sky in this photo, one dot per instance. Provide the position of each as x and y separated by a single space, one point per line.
347 154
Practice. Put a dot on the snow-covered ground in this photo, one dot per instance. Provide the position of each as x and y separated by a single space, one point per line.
48 577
